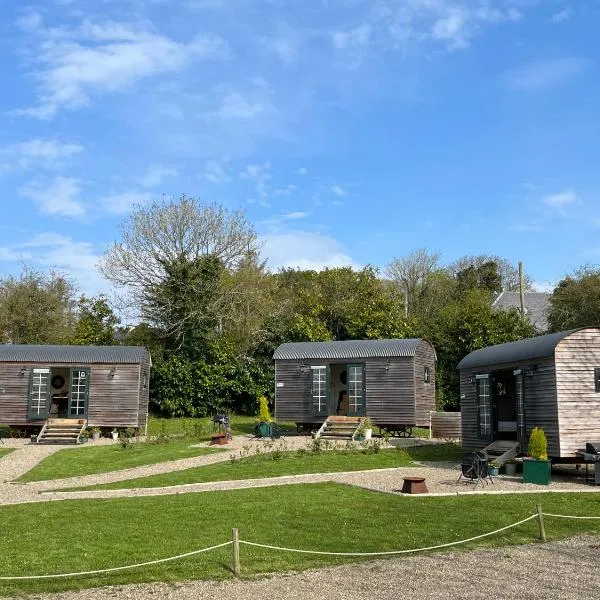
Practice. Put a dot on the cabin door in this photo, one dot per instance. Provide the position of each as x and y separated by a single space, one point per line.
79 386
356 390
520 407
319 393
39 393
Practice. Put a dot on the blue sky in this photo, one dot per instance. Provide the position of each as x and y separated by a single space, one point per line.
351 131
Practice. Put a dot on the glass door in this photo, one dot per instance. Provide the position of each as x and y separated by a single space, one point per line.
484 407
356 390
320 390
39 393
79 392
520 402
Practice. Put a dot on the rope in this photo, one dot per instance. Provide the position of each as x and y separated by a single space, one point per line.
112 569
477 537
567 516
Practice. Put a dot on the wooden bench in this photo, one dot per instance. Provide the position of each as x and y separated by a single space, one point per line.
414 485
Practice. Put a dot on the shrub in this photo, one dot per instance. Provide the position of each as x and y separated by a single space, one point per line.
263 412
537 447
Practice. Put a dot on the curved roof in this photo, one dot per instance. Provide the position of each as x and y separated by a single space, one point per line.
540 346
347 349
75 355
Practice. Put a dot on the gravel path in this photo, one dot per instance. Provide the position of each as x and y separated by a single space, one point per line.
441 478
566 570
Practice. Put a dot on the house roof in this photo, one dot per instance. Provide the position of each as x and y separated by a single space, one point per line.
76 355
540 346
537 305
348 349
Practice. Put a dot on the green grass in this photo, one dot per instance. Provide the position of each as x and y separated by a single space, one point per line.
5 451
292 463
74 462
55 537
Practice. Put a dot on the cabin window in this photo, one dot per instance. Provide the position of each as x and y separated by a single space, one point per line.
426 374
597 378
484 406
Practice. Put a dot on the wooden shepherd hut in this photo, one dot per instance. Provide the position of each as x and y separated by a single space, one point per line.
550 381
390 381
65 388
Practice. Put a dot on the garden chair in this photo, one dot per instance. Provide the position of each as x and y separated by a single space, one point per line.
474 468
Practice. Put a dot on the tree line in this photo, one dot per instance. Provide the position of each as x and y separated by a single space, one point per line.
192 278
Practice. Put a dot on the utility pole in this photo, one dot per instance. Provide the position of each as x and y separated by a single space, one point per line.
521 290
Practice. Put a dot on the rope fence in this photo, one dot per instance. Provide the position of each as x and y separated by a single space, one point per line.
235 542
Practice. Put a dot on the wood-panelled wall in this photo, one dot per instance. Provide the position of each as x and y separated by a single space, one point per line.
424 392
576 357
113 401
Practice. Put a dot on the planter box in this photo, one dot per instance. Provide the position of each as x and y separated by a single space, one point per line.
536 471
493 471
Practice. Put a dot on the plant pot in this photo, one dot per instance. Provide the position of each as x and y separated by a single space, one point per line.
264 429
96 435
368 434
115 435
493 471
537 471
359 437
510 468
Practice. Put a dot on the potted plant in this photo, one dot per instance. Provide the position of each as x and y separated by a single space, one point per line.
365 429
536 467
95 433
115 434
264 427
510 466
494 468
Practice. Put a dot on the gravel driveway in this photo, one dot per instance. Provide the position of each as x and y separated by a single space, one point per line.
566 570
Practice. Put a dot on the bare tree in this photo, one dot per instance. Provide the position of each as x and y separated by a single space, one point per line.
411 274
169 258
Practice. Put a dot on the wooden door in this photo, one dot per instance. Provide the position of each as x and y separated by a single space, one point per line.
357 406
39 393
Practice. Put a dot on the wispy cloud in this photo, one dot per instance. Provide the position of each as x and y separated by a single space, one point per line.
216 171
302 171
338 191
543 74
562 15
107 57
156 174
39 153
560 200
121 204
58 197
259 176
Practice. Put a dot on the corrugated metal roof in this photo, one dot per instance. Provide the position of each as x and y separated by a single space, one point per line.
75 355
348 349
535 347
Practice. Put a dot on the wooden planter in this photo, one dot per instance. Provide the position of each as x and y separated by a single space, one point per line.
537 471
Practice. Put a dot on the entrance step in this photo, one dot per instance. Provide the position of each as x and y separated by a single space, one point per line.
337 427
62 431
502 450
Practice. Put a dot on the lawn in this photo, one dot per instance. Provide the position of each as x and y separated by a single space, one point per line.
67 536
73 462
293 463
5 451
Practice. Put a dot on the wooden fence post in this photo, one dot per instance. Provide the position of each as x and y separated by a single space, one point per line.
235 538
542 529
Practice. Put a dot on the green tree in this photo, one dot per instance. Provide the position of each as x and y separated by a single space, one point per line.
96 322
36 308
575 301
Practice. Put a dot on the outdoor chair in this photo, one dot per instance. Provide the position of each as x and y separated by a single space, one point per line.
474 468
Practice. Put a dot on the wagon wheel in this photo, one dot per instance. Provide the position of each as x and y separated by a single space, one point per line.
406 431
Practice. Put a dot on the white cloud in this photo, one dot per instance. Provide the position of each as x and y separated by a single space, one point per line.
305 250
545 286
302 171
338 191
39 152
295 215
156 174
107 57
121 204
216 171
259 176
562 15
527 227
56 198
543 74
249 103
357 37
561 199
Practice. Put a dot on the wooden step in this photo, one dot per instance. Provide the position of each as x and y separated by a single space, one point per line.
343 419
